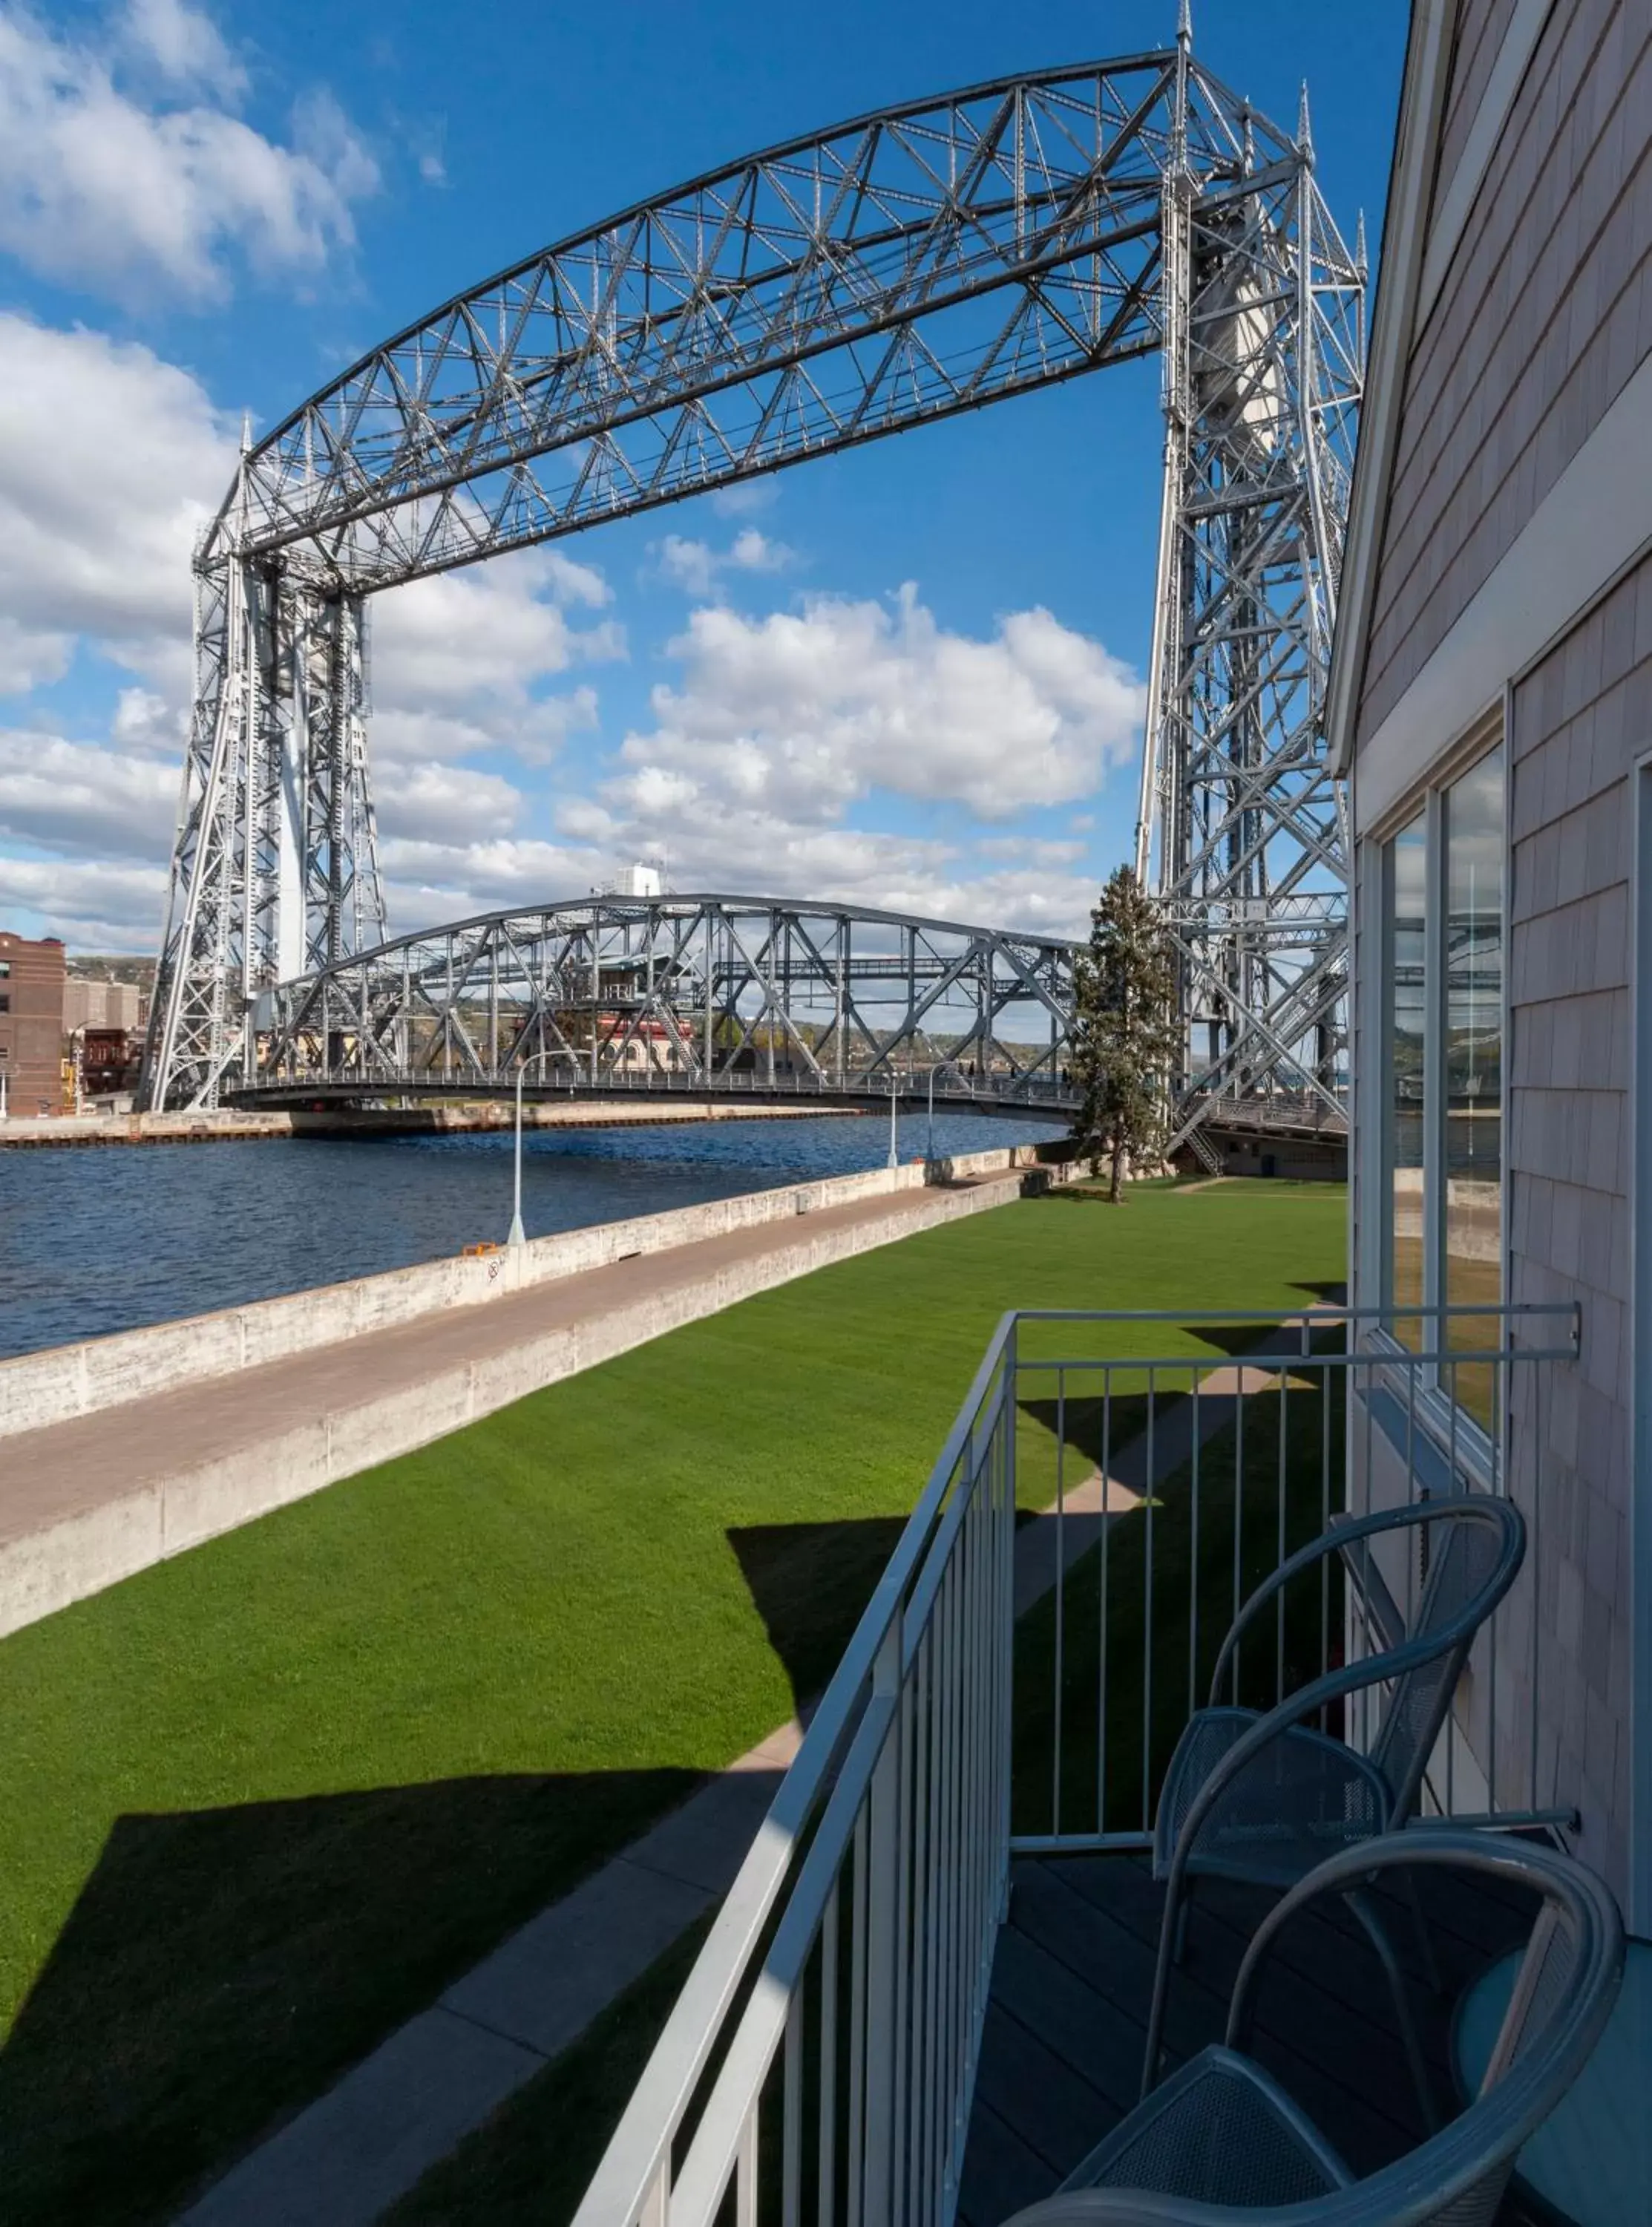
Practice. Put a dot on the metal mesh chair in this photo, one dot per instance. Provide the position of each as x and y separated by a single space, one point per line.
1262 1798
1221 2141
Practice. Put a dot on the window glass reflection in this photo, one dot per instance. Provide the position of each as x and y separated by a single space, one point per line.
1471 1060
1404 993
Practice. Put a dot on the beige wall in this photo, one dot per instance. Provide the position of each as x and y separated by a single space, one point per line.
1545 313
95 1005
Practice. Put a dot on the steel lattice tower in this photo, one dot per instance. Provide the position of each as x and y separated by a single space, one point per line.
905 267
1242 830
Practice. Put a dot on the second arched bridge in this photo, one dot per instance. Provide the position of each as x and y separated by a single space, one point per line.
755 996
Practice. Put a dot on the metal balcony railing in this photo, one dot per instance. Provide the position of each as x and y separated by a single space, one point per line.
1113 1488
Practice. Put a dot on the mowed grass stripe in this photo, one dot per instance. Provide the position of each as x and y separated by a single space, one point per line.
264 1801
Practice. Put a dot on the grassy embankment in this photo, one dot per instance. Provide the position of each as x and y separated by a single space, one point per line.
264 1801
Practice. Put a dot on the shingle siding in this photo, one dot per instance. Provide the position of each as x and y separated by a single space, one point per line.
1544 314
1480 32
1579 721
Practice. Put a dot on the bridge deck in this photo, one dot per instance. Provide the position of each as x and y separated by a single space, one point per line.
1035 1096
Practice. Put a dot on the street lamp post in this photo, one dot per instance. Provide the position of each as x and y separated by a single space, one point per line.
518 1236
894 1154
939 1068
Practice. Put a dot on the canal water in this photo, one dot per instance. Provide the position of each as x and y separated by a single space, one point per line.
95 1239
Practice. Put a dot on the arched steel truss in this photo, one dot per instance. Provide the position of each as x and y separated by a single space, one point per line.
914 262
757 995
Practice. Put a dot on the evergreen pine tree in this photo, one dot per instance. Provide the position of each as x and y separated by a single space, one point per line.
1125 1040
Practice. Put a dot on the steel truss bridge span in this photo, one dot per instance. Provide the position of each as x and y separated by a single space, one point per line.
750 997
913 264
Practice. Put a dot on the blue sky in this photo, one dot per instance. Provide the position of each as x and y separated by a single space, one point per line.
209 210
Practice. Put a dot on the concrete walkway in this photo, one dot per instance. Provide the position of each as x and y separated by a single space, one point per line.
344 2161
1060 1535
91 1500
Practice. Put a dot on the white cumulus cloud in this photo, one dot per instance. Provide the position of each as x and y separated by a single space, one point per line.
446 804
694 566
460 638
788 732
75 797
428 881
802 712
110 462
93 907
125 168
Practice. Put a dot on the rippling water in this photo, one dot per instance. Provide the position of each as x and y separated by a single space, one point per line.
95 1239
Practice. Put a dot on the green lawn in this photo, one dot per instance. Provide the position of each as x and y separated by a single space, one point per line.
263 1801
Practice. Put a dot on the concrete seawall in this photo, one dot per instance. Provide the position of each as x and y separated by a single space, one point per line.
97 1496
636 1110
63 1381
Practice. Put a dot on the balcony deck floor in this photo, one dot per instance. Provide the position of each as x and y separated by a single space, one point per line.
1062 2049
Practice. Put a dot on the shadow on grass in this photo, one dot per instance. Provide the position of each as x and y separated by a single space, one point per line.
1095 1428
811 1583
1087 1428
1104 1687
223 1967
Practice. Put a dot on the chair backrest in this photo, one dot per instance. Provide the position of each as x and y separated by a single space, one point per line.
1562 1997
1474 1544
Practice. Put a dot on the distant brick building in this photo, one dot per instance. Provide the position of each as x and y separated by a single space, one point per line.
31 1023
109 1063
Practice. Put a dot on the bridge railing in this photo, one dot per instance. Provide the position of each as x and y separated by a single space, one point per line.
869 1083
1015 1690
1279 1110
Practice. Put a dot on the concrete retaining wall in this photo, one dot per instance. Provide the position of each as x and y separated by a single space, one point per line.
65 1561
634 1110
66 1380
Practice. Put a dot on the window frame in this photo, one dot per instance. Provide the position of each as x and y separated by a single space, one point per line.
1446 1420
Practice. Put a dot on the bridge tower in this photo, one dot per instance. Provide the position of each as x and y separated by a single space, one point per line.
905 267
1242 833
275 871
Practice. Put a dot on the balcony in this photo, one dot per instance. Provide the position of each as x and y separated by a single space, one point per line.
925 1996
